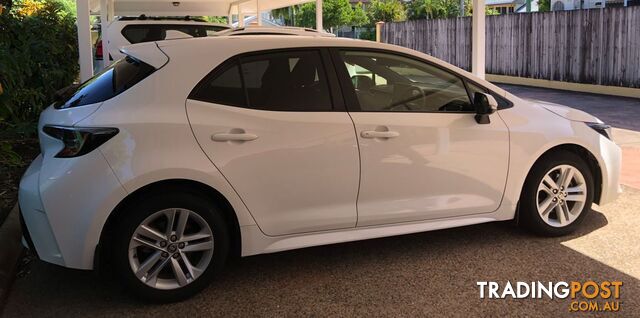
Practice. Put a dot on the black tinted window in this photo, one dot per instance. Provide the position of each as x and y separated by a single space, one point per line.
158 32
112 81
224 87
291 81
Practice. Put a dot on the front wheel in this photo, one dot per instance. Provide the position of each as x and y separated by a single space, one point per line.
557 195
168 247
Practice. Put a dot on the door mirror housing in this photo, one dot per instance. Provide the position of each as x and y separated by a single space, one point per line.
485 105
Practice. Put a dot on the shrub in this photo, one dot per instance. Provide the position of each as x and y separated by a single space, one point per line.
38 56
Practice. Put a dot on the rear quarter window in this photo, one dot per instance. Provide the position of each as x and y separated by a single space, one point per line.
112 81
157 32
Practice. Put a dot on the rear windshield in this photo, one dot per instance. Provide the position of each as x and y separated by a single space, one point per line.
112 81
157 32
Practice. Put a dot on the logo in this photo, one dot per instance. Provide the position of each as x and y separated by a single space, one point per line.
589 296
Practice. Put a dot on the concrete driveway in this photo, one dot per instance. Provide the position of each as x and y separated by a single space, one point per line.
426 274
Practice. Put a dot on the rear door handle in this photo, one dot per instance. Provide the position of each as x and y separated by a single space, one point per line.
379 134
234 137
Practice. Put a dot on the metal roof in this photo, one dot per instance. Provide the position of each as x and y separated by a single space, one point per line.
191 7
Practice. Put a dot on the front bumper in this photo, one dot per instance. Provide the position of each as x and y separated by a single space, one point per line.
610 161
64 204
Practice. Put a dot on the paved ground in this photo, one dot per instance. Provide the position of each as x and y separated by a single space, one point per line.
625 116
427 274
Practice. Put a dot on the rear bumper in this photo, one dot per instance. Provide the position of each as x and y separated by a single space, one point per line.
64 204
34 219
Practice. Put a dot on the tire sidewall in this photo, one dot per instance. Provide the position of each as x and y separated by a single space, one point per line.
138 212
530 216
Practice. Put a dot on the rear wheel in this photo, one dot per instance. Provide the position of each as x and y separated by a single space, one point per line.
557 195
168 247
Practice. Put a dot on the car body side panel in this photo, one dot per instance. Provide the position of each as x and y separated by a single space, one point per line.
533 131
170 150
155 143
440 165
301 174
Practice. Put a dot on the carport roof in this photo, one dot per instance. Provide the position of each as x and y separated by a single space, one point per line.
191 7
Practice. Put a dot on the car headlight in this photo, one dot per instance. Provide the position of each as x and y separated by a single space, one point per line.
601 128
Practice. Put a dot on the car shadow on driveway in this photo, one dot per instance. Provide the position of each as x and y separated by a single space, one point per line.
426 274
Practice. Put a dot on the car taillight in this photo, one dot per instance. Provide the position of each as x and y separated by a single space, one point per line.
79 141
99 49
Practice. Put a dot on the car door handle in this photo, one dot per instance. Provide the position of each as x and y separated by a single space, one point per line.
379 134
234 137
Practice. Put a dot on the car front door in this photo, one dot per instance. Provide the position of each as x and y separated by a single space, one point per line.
272 124
423 155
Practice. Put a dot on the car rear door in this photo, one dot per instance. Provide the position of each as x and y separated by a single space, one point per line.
275 126
423 155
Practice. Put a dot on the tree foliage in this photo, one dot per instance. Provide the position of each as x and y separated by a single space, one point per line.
386 11
359 17
335 13
38 56
215 19
544 5
433 9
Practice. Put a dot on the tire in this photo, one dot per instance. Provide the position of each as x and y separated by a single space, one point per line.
568 206
204 244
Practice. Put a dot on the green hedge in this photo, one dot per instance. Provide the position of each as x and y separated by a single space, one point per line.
38 56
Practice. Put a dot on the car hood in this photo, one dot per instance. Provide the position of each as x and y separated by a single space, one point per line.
569 113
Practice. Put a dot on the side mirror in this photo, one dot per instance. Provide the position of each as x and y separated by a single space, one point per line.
485 105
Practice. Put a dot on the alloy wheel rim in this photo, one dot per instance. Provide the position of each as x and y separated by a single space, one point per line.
561 195
171 248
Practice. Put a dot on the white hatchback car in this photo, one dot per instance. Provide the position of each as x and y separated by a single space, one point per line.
188 151
133 30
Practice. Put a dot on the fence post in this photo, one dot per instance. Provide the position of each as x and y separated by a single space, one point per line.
378 30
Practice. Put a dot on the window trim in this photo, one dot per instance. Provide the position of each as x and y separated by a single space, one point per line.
335 91
351 100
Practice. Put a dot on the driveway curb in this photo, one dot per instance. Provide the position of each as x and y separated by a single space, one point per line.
10 236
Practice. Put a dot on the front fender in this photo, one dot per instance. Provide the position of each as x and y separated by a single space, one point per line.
533 131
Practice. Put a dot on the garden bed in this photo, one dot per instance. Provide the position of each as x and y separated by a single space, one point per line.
27 149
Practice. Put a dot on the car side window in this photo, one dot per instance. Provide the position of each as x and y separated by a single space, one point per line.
386 82
286 81
282 81
223 87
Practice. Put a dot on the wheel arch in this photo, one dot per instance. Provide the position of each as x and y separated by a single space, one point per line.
590 160
172 185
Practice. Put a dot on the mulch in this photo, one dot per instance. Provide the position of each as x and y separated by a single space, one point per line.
28 149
